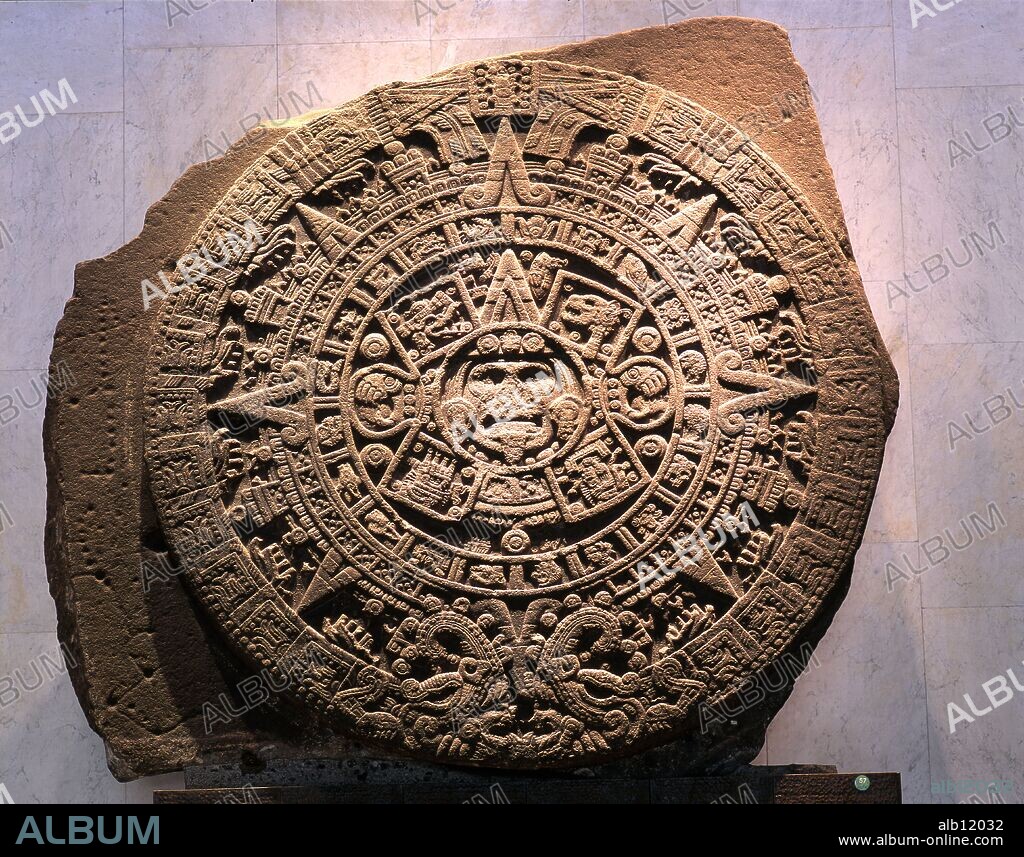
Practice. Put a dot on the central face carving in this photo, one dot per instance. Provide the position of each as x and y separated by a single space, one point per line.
508 400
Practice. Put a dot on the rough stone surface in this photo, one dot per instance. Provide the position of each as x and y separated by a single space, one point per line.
423 449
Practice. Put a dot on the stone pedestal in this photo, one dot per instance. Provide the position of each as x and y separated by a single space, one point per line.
388 782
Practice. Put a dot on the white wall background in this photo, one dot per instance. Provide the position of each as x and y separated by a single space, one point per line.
153 99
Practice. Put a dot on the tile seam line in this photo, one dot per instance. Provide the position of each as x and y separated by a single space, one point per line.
910 381
124 129
404 41
194 47
968 342
277 55
960 87
198 47
78 113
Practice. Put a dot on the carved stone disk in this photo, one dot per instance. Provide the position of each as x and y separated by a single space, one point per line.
511 405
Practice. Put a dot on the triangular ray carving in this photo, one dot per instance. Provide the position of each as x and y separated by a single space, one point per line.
507 181
686 227
770 391
330 235
509 297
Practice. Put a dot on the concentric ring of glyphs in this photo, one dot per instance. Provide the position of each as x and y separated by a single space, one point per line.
520 424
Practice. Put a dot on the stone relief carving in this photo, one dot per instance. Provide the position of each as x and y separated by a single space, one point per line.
541 410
